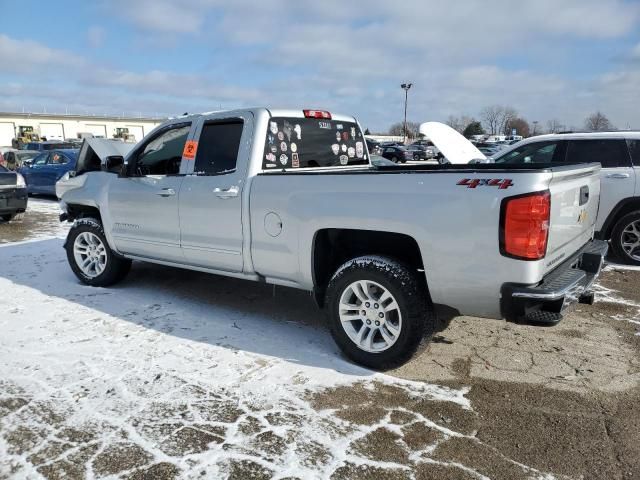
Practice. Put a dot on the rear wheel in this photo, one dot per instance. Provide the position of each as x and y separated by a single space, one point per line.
625 238
378 311
90 257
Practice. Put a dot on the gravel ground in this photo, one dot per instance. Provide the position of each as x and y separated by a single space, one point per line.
176 374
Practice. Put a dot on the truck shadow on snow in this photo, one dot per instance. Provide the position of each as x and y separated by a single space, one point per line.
283 322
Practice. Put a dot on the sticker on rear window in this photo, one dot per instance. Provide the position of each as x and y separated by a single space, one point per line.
325 125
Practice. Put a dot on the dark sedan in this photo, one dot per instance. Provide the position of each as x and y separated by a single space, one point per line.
47 168
13 194
418 151
397 154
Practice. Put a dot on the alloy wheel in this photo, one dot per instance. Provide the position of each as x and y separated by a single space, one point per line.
370 316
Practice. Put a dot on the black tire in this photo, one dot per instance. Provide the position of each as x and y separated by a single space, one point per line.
617 237
416 157
395 159
116 267
410 293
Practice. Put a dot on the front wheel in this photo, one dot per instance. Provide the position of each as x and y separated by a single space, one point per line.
378 311
90 256
625 238
416 157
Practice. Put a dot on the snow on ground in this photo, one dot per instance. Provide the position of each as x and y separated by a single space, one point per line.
173 370
609 295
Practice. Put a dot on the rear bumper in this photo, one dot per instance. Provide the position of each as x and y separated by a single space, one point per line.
13 201
570 282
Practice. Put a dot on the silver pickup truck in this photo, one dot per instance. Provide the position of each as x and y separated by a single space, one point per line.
291 197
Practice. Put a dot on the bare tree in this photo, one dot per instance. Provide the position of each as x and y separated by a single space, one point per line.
459 123
492 118
554 126
397 129
509 114
597 122
520 125
496 118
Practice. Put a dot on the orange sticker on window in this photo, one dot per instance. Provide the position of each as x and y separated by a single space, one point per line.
190 149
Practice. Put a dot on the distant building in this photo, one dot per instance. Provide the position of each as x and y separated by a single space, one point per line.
60 127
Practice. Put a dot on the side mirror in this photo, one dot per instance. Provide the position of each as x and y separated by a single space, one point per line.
114 164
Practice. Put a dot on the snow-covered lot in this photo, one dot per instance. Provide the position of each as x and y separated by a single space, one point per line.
181 374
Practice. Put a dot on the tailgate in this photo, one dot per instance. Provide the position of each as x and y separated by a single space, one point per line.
575 196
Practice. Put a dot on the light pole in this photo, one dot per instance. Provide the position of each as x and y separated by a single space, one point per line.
405 87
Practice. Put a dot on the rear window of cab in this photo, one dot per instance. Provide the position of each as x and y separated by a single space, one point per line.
296 143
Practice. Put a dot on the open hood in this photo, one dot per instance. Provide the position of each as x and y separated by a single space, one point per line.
455 148
94 151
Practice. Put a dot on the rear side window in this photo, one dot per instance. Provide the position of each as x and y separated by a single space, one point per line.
310 142
609 153
539 152
634 151
218 148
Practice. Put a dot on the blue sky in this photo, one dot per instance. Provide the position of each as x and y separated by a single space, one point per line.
547 59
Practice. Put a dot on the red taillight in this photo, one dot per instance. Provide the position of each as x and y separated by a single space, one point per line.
317 114
525 226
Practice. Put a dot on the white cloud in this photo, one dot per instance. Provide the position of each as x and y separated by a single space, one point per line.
24 56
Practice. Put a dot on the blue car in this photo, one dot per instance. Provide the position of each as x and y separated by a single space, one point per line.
47 168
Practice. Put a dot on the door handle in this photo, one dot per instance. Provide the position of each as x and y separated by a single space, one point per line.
228 192
166 192
618 175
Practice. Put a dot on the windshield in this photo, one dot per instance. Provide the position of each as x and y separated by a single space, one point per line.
311 142
25 155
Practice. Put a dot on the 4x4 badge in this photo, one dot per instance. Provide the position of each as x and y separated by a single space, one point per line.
501 183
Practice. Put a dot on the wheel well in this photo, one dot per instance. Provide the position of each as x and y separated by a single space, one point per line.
334 246
82 211
620 210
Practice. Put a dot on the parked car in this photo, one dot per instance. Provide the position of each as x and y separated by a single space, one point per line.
3 151
265 195
13 195
373 147
419 152
619 154
397 154
430 148
47 168
50 145
17 158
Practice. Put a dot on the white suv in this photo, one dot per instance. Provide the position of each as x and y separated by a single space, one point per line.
619 154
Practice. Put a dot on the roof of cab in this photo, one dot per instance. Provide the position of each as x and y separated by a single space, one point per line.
274 112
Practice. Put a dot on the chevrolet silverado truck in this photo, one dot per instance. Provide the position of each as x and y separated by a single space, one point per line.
290 197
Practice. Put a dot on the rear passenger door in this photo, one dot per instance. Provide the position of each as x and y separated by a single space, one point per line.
617 175
211 204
